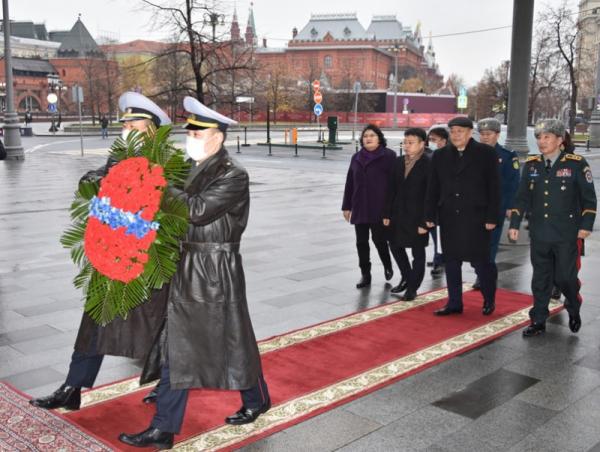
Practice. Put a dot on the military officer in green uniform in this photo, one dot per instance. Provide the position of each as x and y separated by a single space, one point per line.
557 189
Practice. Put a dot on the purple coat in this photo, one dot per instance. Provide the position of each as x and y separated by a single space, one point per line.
366 186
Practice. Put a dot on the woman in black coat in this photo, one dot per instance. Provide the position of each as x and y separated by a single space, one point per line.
364 199
404 212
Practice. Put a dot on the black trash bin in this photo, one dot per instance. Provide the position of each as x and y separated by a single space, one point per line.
332 125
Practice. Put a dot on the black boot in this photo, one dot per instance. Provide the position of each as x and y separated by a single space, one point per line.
574 322
151 437
534 329
476 284
401 287
555 293
64 397
247 415
410 295
437 270
151 396
365 281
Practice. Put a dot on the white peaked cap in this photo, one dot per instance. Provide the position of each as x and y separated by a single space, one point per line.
137 106
204 117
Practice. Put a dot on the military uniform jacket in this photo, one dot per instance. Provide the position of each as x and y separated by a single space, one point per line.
560 202
210 341
509 177
464 193
405 203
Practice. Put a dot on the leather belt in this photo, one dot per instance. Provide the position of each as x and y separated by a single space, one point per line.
227 247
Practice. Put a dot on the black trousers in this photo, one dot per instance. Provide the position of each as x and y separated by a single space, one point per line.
379 237
487 279
412 274
84 367
171 403
553 263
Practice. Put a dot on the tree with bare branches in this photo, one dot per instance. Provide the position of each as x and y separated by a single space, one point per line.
211 55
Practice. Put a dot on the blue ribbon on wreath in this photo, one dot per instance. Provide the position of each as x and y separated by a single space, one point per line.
101 209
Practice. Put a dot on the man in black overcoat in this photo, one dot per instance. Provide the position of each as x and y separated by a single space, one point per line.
464 194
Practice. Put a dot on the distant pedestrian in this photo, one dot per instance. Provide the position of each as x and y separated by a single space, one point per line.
557 189
489 133
463 194
28 117
404 212
364 198
437 138
104 127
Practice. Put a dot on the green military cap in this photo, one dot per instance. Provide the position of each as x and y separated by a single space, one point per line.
489 124
549 125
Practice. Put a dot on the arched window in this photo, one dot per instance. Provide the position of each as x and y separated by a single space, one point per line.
328 62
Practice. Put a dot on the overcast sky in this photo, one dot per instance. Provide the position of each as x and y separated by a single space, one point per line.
467 55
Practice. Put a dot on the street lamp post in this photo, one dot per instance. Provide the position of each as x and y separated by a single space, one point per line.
12 133
213 19
395 49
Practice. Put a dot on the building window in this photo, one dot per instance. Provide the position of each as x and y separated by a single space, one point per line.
314 32
64 73
347 32
328 62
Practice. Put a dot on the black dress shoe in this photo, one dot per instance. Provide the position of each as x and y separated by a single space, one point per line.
410 295
430 264
247 415
448 311
488 308
64 397
534 329
151 396
555 293
574 322
476 285
151 437
388 272
437 270
365 281
400 287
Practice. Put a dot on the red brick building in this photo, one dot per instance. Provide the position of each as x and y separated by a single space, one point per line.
338 50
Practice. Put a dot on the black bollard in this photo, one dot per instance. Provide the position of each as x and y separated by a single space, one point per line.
238 145
245 137
270 153
296 149
356 147
587 146
323 151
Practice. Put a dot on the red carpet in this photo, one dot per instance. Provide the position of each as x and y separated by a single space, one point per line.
317 368
23 427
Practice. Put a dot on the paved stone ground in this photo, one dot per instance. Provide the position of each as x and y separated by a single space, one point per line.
301 267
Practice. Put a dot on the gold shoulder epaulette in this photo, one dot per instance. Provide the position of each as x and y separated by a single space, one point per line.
534 157
573 157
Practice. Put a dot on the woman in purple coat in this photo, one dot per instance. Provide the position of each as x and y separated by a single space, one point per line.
364 199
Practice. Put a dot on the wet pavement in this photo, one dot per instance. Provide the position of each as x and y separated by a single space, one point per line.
301 267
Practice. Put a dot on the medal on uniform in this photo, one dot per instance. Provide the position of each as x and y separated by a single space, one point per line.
563 188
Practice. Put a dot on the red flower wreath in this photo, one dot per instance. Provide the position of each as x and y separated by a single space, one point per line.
133 185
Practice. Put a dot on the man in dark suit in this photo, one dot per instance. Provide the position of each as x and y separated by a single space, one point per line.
464 193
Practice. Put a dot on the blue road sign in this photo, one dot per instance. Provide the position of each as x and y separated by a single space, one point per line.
52 108
318 109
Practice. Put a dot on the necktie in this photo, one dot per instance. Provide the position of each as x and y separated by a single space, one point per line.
548 165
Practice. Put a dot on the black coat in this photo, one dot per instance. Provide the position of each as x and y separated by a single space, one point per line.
464 193
209 335
131 337
405 204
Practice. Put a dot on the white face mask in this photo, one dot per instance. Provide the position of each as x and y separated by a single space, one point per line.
433 146
195 148
125 134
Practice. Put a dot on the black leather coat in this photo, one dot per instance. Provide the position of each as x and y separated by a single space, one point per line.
464 193
209 338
